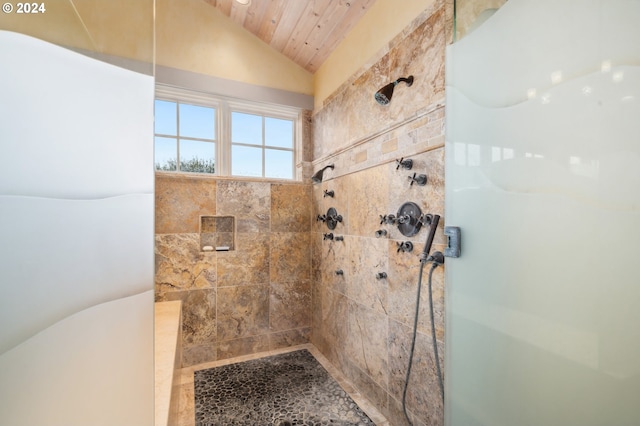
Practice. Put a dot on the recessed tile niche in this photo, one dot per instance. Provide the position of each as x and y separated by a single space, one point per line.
217 232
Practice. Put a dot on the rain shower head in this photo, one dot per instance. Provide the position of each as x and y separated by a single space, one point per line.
383 96
317 176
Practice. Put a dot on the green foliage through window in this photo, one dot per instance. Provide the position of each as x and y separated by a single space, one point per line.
194 165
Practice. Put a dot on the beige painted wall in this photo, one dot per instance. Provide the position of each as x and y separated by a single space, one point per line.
384 20
114 27
190 35
196 37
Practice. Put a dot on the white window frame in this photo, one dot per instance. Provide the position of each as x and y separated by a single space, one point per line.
224 106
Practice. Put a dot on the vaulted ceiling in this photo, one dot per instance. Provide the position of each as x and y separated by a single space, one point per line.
305 31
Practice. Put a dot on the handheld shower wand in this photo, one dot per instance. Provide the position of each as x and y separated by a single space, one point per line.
436 258
433 221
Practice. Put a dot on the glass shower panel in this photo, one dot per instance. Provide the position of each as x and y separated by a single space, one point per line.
543 177
76 202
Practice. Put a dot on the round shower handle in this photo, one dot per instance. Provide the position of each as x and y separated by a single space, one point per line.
381 275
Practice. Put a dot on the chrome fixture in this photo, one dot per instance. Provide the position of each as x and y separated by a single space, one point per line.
383 96
317 176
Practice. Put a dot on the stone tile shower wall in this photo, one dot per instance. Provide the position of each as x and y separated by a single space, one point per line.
363 324
251 299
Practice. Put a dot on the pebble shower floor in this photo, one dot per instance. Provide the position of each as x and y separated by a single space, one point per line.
280 390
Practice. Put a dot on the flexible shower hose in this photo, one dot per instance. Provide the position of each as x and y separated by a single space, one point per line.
434 265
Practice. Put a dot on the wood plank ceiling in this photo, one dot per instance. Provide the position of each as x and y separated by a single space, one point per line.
305 31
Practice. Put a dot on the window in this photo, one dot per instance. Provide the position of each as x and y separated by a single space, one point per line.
261 146
185 138
196 133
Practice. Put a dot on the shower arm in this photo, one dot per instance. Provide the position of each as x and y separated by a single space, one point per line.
409 81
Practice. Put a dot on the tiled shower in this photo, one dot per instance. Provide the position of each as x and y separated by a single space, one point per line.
253 298
279 287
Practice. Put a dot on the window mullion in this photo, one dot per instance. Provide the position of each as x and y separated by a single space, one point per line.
225 140
178 136
264 142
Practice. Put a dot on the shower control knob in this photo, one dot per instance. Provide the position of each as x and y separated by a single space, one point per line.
339 272
404 219
328 193
321 218
335 218
381 233
328 236
381 275
420 180
405 246
388 219
405 164
339 238
426 219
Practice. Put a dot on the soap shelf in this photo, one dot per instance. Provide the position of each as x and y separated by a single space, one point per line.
217 233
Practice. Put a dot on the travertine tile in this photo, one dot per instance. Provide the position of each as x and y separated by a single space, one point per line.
288 338
198 354
290 256
290 305
187 413
334 256
333 337
367 342
367 258
423 393
376 394
244 346
404 270
425 61
198 315
242 312
247 264
364 115
249 202
339 201
368 200
180 201
180 265
291 208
